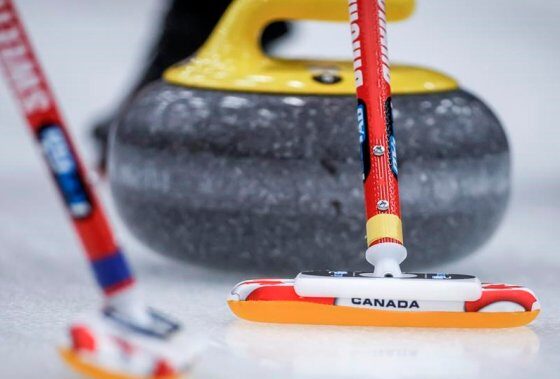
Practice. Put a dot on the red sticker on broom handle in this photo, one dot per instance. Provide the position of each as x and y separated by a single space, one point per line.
372 75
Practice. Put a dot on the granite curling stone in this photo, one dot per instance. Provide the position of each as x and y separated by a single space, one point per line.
240 161
273 183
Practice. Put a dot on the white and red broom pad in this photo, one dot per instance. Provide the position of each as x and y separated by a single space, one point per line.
412 293
105 346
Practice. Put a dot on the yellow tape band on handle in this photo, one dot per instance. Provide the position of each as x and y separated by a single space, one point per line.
384 226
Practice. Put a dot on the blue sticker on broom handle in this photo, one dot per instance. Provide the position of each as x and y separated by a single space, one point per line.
64 167
364 138
390 135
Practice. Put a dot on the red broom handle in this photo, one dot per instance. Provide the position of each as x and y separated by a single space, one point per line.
27 80
372 75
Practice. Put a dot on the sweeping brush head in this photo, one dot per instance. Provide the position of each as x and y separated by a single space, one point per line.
113 346
445 301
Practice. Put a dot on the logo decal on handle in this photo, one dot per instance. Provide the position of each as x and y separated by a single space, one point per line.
64 166
391 137
356 47
364 140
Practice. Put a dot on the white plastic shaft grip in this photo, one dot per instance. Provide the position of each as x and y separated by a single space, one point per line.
386 257
407 287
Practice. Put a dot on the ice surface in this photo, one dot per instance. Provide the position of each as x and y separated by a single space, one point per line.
44 281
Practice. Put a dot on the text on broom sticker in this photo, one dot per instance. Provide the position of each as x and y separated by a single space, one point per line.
19 65
356 45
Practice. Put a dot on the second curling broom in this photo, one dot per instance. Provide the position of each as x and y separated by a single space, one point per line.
386 296
126 339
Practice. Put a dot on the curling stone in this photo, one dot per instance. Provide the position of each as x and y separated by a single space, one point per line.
241 161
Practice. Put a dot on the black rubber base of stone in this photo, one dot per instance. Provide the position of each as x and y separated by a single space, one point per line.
272 183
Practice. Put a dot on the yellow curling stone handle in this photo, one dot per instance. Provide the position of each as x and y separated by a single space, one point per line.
232 59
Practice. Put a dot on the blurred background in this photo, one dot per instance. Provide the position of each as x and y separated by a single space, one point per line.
505 52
